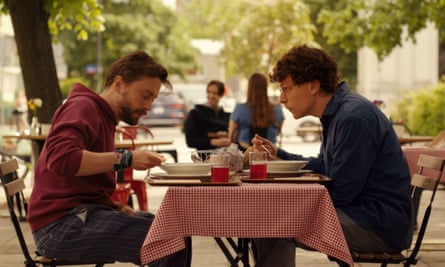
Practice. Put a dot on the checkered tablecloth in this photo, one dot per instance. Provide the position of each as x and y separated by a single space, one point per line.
302 211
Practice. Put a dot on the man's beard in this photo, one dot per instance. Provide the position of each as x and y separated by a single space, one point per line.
127 115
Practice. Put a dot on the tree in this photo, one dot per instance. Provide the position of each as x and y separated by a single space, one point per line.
255 34
144 24
32 21
346 60
380 24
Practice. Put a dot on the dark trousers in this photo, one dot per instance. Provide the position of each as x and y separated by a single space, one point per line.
97 233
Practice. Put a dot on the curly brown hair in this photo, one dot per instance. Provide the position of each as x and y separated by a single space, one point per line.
305 64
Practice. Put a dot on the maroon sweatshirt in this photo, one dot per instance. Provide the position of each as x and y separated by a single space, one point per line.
84 121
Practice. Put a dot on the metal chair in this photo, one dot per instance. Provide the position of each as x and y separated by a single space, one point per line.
14 185
438 141
23 161
126 185
419 182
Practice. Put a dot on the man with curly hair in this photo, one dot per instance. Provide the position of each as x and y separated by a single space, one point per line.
360 151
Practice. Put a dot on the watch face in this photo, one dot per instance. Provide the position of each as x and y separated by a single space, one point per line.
117 157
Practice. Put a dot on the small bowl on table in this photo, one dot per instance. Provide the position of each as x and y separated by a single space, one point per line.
285 165
186 168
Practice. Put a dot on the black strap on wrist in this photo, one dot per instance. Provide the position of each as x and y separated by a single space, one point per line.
126 160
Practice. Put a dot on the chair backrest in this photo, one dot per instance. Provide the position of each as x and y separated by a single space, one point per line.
12 186
438 141
421 182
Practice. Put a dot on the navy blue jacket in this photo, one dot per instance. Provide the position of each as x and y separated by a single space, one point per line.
362 154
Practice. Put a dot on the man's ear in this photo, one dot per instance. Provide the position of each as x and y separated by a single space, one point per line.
314 87
117 83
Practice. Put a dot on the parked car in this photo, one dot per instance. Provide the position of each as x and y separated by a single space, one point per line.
309 129
168 109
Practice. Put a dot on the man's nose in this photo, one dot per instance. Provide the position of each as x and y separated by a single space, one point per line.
147 106
282 98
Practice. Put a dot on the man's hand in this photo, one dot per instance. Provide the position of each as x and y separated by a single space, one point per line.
262 144
124 208
144 159
220 142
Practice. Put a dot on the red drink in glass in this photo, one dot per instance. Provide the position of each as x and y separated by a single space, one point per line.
258 170
220 174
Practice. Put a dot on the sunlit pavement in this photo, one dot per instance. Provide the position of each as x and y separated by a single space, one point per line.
205 250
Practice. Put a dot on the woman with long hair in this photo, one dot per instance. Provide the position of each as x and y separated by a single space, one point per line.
257 116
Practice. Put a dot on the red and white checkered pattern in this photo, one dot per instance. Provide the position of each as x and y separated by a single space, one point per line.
302 211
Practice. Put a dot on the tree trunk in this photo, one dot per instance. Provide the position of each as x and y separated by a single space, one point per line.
441 59
30 23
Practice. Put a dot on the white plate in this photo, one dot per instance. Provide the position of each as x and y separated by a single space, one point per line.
284 172
288 172
186 168
163 175
285 165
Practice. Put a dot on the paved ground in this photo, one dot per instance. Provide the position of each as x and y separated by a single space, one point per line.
205 250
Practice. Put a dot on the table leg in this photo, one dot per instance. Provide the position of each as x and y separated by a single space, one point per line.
36 148
241 250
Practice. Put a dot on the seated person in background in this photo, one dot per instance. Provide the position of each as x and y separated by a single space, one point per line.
257 116
206 124
71 213
360 151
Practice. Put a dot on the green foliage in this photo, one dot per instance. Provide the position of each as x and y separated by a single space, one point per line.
134 25
380 24
255 33
66 84
265 34
346 60
211 19
423 111
76 16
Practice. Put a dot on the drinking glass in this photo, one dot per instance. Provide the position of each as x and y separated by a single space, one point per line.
220 167
258 165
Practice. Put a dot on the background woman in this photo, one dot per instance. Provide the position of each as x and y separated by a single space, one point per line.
257 116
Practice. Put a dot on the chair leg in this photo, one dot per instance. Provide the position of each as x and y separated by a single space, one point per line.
19 204
30 264
139 188
407 263
342 264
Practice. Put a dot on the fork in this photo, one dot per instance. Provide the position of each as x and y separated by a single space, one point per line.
267 150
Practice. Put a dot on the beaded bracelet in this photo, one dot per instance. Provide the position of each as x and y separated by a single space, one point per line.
126 160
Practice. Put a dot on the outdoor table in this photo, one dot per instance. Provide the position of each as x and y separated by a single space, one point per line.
301 211
37 142
40 139
415 139
412 155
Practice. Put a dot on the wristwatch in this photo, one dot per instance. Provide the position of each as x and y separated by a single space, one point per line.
117 159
